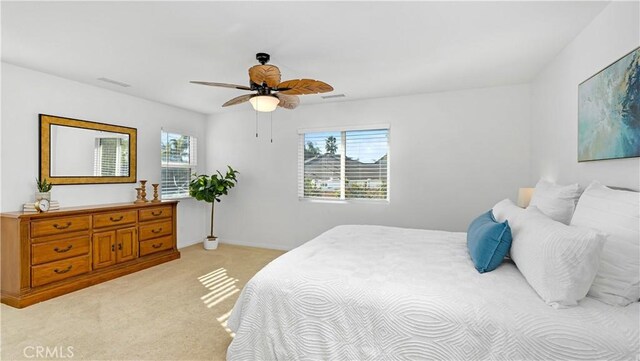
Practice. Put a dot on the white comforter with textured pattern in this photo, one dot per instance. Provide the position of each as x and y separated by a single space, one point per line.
381 293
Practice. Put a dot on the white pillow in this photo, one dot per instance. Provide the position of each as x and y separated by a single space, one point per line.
616 213
556 201
559 261
506 210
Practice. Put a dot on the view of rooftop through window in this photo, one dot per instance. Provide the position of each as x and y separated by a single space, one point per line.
346 164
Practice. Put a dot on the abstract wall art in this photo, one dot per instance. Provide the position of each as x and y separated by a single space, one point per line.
609 111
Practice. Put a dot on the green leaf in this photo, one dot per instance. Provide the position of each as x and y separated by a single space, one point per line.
210 188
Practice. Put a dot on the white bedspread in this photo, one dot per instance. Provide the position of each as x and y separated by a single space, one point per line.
381 293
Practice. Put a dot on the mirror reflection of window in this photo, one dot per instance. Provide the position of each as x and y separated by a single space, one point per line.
111 157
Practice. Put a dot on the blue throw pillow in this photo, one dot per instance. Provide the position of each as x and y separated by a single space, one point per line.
488 241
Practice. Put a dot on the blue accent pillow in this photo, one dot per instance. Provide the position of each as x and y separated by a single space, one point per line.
488 241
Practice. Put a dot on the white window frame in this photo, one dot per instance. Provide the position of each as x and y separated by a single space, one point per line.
193 166
343 154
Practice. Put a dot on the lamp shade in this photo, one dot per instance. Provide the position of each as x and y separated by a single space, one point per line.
524 197
264 103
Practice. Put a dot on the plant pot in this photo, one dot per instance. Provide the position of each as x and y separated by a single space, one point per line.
43 195
210 243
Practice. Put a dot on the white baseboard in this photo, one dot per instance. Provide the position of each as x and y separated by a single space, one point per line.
189 243
240 243
256 244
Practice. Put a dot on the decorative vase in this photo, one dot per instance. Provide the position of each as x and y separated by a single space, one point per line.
43 195
210 243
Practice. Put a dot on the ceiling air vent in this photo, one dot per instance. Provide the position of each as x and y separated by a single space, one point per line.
115 82
333 96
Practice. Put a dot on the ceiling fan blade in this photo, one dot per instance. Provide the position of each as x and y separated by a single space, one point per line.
287 101
269 74
224 85
303 86
238 100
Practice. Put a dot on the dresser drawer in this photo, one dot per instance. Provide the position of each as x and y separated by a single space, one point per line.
59 225
155 229
57 250
59 270
155 245
154 213
114 219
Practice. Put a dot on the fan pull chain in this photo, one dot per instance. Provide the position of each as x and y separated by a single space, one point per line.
256 124
271 121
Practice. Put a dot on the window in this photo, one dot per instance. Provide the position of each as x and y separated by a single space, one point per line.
344 164
178 164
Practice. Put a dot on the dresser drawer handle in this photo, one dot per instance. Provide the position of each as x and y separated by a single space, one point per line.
57 226
155 214
64 249
156 230
63 271
116 219
158 245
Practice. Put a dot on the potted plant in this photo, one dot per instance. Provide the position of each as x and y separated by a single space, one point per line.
44 189
210 189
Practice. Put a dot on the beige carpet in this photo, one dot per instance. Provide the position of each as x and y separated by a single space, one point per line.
174 311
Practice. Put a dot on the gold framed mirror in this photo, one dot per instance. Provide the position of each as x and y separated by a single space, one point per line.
74 151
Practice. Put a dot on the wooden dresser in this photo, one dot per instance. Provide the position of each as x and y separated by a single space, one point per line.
45 255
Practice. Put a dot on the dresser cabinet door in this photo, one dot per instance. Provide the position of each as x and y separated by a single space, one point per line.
126 244
104 249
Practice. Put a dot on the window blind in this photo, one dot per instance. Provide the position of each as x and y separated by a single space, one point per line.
178 161
366 164
111 157
346 164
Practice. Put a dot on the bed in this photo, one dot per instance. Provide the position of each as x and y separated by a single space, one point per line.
384 293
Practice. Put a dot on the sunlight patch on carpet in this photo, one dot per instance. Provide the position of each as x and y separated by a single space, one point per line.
221 286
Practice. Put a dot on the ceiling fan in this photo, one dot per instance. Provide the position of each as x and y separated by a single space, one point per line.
270 92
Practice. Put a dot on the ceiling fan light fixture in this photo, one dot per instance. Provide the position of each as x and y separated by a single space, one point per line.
264 103
268 89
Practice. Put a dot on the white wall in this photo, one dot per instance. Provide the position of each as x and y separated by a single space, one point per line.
453 155
26 93
554 122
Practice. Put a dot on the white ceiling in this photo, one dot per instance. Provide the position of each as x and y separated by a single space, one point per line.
363 49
